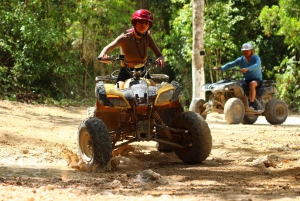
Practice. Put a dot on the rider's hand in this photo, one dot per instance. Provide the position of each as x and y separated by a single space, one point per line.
244 70
161 61
105 59
217 69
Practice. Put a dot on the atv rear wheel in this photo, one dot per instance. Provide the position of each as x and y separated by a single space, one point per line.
234 111
276 111
94 143
197 141
250 119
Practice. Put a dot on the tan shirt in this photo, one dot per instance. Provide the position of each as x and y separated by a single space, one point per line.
135 51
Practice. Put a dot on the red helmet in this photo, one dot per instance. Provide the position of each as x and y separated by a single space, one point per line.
142 14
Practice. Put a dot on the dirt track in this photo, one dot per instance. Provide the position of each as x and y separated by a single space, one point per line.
248 162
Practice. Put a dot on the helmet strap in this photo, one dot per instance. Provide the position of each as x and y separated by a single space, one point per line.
140 34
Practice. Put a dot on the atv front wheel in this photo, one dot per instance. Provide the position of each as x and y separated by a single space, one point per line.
161 147
94 143
197 140
165 115
276 111
234 111
200 108
250 119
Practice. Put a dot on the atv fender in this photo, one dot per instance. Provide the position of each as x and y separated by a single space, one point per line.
106 91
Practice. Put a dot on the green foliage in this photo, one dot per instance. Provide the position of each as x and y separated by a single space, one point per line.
219 40
289 14
283 20
48 49
269 19
288 79
37 46
179 52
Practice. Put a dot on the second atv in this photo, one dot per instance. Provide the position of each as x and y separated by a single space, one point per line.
228 97
141 112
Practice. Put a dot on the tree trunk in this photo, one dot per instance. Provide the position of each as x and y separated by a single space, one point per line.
198 76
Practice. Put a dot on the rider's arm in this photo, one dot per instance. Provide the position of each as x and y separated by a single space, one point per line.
156 51
231 64
253 69
255 63
110 47
154 47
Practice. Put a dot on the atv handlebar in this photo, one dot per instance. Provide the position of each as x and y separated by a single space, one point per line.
111 59
227 76
150 63
218 69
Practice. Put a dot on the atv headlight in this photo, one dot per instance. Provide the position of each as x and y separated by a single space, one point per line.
117 101
164 97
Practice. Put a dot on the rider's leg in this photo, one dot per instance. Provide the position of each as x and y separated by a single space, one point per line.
252 93
123 75
120 84
152 82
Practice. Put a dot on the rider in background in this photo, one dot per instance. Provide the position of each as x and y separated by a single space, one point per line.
250 65
134 45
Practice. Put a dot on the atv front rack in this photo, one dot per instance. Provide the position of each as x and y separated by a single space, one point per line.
159 78
108 78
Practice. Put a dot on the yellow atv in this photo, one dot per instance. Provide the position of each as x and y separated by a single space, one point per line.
141 112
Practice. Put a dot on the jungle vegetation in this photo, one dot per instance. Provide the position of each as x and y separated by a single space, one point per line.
49 48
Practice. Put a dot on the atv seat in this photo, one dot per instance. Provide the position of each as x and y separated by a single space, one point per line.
267 87
267 83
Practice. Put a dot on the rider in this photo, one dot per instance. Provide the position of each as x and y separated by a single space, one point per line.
134 45
250 65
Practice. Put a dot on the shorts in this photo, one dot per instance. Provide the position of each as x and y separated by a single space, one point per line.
245 83
124 75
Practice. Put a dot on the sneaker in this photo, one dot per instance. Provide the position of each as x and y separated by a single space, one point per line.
252 106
